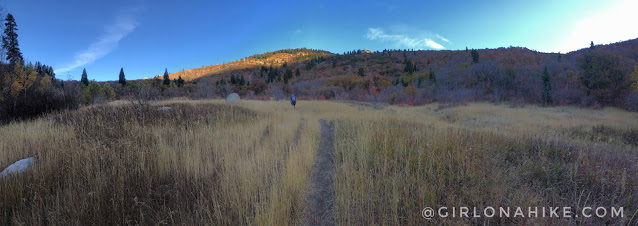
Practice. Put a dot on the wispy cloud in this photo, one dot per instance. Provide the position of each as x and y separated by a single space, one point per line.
442 38
403 40
296 31
124 24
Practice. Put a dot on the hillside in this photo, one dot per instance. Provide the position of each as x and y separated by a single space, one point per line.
513 74
276 58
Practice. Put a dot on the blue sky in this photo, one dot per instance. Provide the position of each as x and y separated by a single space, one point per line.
146 36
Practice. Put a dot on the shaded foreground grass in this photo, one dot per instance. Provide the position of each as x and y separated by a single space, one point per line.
203 162
197 163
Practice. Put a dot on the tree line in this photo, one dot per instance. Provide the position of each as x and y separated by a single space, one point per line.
27 89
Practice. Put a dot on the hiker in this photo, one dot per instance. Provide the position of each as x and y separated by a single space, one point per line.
293 100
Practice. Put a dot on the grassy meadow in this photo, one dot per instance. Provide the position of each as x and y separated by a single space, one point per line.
208 163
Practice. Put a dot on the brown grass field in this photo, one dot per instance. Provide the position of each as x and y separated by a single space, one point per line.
208 163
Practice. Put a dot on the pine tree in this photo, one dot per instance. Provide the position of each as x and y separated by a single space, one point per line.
180 81
298 73
408 66
10 40
167 81
287 75
432 77
85 78
38 67
361 72
547 87
475 56
591 45
122 77
559 56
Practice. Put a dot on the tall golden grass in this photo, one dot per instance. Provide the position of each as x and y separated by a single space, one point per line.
205 162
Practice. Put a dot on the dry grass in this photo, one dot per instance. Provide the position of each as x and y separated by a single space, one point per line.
395 163
204 162
199 162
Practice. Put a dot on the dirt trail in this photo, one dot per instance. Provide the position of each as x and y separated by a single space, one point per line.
319 201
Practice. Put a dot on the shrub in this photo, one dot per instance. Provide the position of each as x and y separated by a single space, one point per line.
631 102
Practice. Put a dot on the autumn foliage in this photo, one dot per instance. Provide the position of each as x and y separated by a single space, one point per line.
587 77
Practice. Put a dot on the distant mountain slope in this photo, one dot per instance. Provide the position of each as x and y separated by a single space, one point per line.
513 74
276 58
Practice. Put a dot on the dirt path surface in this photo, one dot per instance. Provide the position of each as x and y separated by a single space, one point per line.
319 201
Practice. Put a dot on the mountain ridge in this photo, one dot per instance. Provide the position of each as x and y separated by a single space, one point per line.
278 57
513 74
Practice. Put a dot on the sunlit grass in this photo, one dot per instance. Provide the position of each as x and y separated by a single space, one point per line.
205 162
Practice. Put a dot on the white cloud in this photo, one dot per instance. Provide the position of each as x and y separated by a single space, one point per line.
433 44
442 38
402 40
125 23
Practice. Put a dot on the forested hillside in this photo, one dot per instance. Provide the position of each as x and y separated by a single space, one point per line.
600 75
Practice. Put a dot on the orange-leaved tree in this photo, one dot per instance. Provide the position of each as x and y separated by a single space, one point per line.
19 81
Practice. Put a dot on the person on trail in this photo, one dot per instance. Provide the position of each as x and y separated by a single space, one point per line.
293 100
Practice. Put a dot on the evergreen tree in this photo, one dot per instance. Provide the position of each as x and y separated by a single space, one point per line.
122 77
591 45
85 78
10 40
547 87
361 72
167 81
466 49
475 56
408 66
232 79
432 77
559 56
224 90
180 81
287 75
298 73
634 79
38 67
